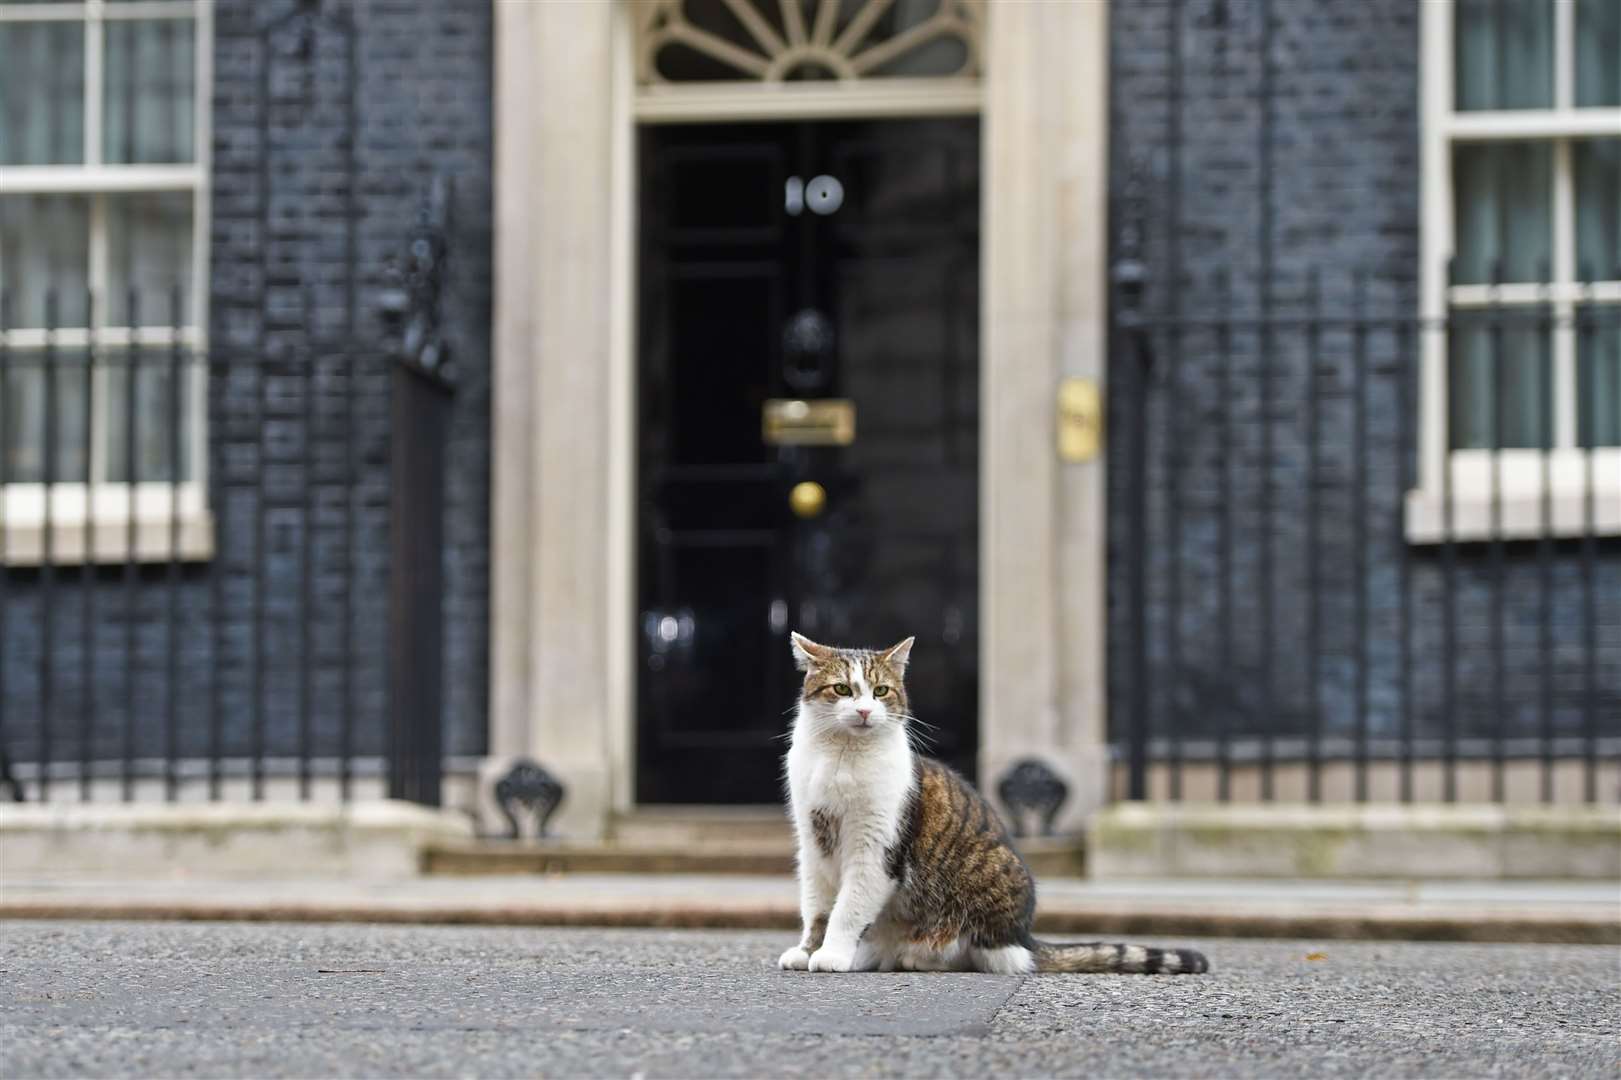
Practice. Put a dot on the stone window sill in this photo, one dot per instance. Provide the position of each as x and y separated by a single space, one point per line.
1531 497
156 523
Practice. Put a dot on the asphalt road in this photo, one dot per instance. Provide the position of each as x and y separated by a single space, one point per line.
178 999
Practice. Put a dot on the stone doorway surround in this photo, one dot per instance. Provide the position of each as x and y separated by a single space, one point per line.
562 609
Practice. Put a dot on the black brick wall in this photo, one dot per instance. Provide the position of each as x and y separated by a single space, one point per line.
314 190
1341 198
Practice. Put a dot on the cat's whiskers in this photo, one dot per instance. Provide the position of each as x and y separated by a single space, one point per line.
914 721
817 725
787 736
921 742
919 733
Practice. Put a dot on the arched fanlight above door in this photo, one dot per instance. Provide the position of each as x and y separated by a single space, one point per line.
876 56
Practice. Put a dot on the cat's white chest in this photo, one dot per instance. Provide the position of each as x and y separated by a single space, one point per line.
863 788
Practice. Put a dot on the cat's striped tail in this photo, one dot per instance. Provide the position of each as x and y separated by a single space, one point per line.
1105 957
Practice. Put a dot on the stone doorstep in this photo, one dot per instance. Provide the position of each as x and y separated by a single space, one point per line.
654 839
366 839
373 839
682 826
1061 857
491 857
1278 840
1055 857
383 838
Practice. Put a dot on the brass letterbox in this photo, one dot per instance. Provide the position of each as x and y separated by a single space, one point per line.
800 422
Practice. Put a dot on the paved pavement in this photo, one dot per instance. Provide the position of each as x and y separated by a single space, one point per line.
1576 912
206 999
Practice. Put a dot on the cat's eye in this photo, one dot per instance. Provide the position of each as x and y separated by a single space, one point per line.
879 691
841 689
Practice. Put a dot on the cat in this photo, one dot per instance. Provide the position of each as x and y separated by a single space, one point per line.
902 865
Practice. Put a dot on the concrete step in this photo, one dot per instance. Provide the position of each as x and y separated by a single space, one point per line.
488 857
683 826
727 855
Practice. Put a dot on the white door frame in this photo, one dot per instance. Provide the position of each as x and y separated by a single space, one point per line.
563 490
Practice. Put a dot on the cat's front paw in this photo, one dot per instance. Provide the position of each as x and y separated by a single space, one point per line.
795 959
832 959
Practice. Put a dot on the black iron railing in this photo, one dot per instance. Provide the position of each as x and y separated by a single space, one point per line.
1367 555
194 556
1356 554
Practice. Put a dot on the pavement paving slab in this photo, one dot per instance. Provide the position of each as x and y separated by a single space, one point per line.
110 998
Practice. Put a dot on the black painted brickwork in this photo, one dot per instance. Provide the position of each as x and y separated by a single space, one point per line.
298 224
1344 197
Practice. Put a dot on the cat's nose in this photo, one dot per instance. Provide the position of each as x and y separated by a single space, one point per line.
863 713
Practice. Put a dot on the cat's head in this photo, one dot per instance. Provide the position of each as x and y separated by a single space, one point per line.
857 690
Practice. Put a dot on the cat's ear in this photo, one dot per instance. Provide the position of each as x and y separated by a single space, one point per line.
895 656
807 651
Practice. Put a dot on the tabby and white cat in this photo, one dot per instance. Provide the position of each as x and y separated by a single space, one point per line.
901 863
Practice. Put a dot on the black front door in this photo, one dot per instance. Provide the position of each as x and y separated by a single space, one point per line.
834 265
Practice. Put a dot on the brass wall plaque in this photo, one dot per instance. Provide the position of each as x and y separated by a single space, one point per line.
1080 420
797 422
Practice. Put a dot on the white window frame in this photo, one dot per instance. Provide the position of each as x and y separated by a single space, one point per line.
1522 476
94 522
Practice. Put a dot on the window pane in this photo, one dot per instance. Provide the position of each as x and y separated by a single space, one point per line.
44 248
150 92
1597 163
680 62
42 93
149 252
1598 52
1513 360
1503 211
1598 377
157 414
26 402
1504 57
